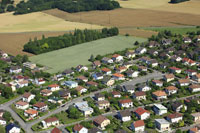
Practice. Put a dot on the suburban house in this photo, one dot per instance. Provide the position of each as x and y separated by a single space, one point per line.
127 64
84 108
22 83
187 40
117 58
184 82
31 113
153 44
108 81
99 97
21 105
174 118
142 68
187 61
54 87
56 130
176 58
177 106
124 115
196 117
65 94
80 68
106 71
53 121
71 84
12 128
162 125
29 65
166 41
116 94
78 128
82 78
67 72
144 87
158 95
97 76
171 90
58 77
142 114
91 83
159 109
140 50
96 64
107 60
157 83
139 95
2 121
27 97
132 74
130 54
120 69
128 88
194 88
196 77
55 100
81 89
138 126
190 72
46 92
103 104
164 65
40 106
194 130
126 103
15 69
39 81
175 70
169 77
118 76
101 121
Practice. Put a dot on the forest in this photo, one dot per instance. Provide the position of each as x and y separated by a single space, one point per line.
6 5
65 5
79 36
177 1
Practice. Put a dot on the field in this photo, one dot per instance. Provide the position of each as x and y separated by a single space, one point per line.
71 57
191 7
38 22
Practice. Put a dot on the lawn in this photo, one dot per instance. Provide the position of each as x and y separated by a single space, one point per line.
178 30
62 59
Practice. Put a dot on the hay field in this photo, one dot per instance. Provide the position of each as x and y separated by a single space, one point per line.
191 7
72 56
38 22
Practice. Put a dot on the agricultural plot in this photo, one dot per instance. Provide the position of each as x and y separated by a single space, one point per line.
65 58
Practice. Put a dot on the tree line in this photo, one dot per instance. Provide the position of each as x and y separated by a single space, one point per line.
79 36
6 5
65 5
177 1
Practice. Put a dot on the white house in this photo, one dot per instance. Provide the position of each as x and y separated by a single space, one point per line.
194 88
171 90
21 105
117 58
84 108
162 125
54 87
144 88
126 103
124 115
31 113
174 118
138 126
141 50
39 81
71 84
12 128
142 114
2 121
159 109
53 121
27 97
78 128
15 69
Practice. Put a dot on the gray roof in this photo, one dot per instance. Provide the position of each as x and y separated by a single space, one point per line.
129 87
162 121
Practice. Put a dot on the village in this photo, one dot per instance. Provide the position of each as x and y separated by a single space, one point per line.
154 87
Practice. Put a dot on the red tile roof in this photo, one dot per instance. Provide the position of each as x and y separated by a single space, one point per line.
138 123
175 115
21 103
52 119
125 101
141 111
53 85
56 130
39 104
77 127
31 111
99 119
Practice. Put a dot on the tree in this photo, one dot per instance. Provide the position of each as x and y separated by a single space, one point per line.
183 109
24 58
181 123
178 131
91 58
33 101
74 113
7 116
136 43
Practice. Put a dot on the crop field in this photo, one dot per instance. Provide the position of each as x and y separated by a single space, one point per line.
72 56
38 22
191 7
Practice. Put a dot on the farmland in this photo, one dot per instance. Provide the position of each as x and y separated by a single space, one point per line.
70 57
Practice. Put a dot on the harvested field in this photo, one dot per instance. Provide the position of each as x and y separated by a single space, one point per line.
38 22
72 56
191 7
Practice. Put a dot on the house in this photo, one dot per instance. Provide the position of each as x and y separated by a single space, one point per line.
106 71
138 126
196 77
46 92
118 76
12 128
124 115
187 40
95 130
21 105
152 44
27 97
130 54
120 69
15 69
166 41
82 78
108 81
175 58
142 68
157 83
55 100
31 113
67 72
107 60
128 88
29 65
40 106
194 130
116 94
1 113
153 63
194 88
177 106
159 109
99 97
164 65
80 68
144 87
58 77
78 128
126 103
84 108
132 74
187 61
158 95
81 89
152 52
171 90
127 64
22 83
2 121
174 70
117 58
96 64
101 121
71 84
169 77
142 114
140 50
196 117
56 130
53 87
103 104
184 82
53 121
190 72
139 95
97 76
39 81
198 38
162 125
65 94
3 54
91 83
174 118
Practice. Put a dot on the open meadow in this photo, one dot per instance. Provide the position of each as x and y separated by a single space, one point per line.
71 57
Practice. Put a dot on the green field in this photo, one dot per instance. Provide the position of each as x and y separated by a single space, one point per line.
178 30
62 59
